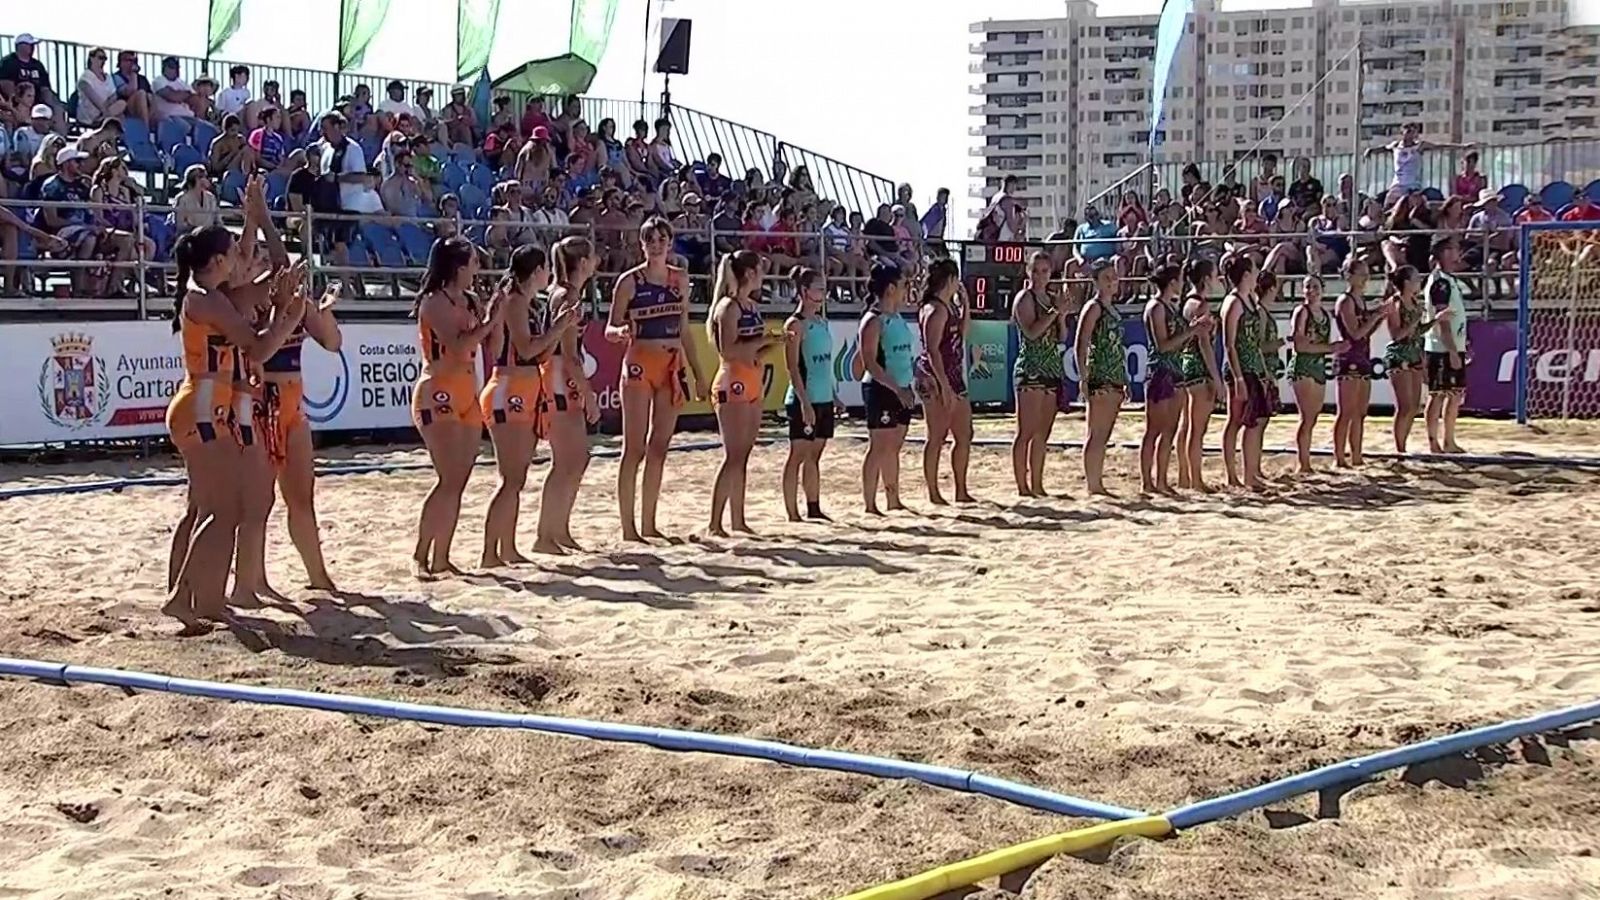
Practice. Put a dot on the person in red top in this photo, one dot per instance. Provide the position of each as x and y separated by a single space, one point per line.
755 239
1583 210
534 116
1469 182
1532 211
783 249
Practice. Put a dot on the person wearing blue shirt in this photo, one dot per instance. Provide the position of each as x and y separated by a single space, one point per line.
1097 235
937 216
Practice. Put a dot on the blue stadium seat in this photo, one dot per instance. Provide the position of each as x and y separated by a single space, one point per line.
384 244
473 199
1512 195
1434 195
160 230
277 186
1558 194
204 134
358 253
453 176
232 187
416 242
142 153
1592 191
174 131
184 156
482 176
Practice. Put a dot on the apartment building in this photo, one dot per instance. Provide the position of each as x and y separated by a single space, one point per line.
1064 103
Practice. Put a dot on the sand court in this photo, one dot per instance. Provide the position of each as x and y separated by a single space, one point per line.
1140 652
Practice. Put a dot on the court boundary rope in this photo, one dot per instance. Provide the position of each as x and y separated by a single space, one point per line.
117 485
661 738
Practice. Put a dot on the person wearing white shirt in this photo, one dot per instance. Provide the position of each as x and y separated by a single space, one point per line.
355 184
26 139
395 104
236 96
173 94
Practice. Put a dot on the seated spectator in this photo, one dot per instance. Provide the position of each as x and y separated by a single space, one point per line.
235 98
228 148
1190 181
1262 187
196 204
1406 244
843 258
611 180
174 98
27 138
1131 213
448 224
268 148
583 160
753 236
272 95
561 128
725 225
298 116
12 226
1276 197
613 230
97 95
612 156
565 196
1327 248
1469 182
502 146
1306 191
670 197
103 142
783 242
690 239
461 122
361 118
804 192
21 66
111 186
906 239
637 153
586 209
1286 254
1582 210
1452 214
394 142
427 168
536 160
400 192
662 161
395 105
1532 210
711 183
428 119
501 114
550 222
879 234
1491 227
73 225
1095 236
533 116
44 164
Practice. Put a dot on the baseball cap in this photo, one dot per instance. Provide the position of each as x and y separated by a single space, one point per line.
397 85
68 154
25 38
43 111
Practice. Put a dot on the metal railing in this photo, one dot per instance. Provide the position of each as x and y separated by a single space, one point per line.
697 134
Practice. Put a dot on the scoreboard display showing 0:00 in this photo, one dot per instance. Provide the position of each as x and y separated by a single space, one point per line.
992 274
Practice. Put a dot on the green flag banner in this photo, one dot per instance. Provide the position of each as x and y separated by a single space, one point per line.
475 25
359 21
591 26
223 21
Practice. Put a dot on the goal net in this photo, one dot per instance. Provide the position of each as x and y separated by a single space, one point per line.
1558 322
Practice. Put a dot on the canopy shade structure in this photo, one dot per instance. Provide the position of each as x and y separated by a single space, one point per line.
561 75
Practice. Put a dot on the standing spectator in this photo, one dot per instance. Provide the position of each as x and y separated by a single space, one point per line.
662 162
395 105
298 115
21 66
1190 178
228 148
174 98
133 89
536 160
561 128
235 98
1305 191
196 205
27 139
268 147
360 115
1469 182
1261 185
712 182
903 195
1408 152
343 163
97 95
502 114
937 217
74 225
998 220
533 116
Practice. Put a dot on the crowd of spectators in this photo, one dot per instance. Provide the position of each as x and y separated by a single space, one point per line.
522 176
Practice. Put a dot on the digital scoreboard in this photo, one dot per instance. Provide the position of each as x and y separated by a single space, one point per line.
992 274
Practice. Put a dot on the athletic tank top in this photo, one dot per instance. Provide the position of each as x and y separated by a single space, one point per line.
1041 356
1248 340
206 353
287 359
895 345
1192 358
1171 360
1319 330
507 355
1408 166
437 359
950 348
656 311
816 362
1456 303
1359 347
1108 356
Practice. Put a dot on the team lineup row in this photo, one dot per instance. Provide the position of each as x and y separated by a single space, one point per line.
243 315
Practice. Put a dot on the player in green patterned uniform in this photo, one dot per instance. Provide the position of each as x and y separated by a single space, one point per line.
1249 407
1312 330
1408 323
1202 383
1267 288
1041 318
1102 368
1170 336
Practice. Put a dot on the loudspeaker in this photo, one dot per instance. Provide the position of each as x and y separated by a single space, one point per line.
673 58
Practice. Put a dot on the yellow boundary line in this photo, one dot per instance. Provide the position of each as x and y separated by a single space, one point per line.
1009 859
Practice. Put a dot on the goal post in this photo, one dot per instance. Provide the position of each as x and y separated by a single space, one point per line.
1557 371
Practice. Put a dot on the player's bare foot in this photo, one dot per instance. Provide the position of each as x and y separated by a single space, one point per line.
630 536
964 497
715 531
744 528
570 543
872 510
934 497
817 515
650 531
549 547
420 571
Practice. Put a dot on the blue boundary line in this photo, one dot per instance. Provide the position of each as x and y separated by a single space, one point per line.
662 738
1362 768
121 484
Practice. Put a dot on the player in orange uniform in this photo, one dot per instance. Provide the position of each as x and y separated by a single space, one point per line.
202 418
570 404
735 328
650 313
444 405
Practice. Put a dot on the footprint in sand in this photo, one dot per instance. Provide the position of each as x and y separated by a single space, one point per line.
756 659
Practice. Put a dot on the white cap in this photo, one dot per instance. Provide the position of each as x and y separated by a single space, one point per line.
43 111
25 38
68 154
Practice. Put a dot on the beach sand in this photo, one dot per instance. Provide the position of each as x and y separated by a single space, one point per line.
1139 652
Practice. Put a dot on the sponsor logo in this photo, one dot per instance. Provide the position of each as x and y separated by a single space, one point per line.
738 388
72 390
590 364
514 402
441 397
844 365
322 410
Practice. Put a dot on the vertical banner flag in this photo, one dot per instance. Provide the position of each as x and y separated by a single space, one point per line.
591 26
359 21
475 24
1169 37
222 22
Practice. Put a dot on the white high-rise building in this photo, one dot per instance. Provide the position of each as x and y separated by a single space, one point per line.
1065 103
